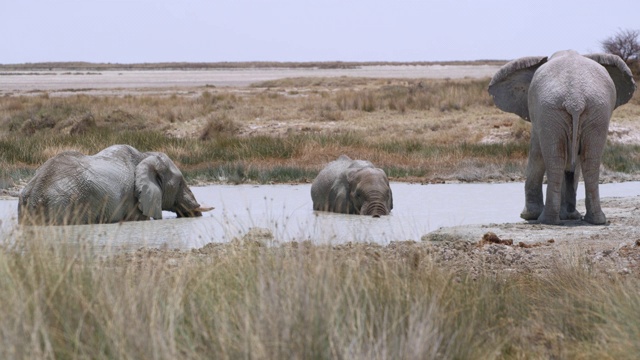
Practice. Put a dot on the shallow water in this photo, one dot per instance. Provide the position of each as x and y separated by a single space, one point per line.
287 211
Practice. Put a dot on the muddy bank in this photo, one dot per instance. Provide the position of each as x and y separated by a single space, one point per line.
612 248
472 250
516 247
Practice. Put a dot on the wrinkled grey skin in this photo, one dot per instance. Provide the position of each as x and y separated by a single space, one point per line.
117 184
352 187
569 99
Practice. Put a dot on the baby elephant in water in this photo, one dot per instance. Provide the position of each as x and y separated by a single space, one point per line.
352 187
119 183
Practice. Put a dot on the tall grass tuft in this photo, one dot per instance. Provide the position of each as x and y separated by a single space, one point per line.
244 300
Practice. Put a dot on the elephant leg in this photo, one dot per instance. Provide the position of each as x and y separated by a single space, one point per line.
534 203
594 213
551 213
569 190
553 145
591 172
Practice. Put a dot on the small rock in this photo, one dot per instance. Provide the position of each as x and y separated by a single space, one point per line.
491 238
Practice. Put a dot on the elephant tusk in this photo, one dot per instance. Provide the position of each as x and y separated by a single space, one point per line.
203 209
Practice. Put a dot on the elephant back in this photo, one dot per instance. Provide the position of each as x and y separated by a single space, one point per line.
45 198
72 188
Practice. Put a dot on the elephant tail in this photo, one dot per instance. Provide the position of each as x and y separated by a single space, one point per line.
575 148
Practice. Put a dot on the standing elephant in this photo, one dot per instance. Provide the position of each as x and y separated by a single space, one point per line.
569 99
117 184
352 187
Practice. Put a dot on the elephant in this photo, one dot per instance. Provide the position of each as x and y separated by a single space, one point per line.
352 187
117 184
569 99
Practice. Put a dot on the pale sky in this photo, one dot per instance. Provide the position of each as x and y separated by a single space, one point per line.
134 31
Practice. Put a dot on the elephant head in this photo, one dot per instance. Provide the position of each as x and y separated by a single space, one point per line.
352 187
160 186
117 184
369 192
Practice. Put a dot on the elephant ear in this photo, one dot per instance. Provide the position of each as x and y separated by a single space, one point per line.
338 200
148 188
509 87
351 182
344 157
620 74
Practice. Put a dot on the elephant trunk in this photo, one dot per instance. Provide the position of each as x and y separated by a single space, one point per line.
375 209
186 205
197 212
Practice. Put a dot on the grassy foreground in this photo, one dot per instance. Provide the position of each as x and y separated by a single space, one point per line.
242 300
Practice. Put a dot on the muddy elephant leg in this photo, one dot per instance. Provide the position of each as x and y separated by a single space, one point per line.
569 190
534 203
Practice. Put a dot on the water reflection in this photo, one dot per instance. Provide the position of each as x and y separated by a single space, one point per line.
287 211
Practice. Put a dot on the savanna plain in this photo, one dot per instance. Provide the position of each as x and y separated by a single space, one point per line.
502 291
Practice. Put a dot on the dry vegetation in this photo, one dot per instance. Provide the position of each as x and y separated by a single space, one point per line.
284 131
356 301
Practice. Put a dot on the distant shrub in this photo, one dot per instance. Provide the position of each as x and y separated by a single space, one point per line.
448 95
218 125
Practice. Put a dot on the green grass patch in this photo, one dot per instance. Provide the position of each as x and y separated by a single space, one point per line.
256 159
622 158
238 173
402 172
513 150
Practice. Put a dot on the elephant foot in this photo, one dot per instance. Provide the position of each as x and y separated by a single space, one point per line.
549 219
574 215
597 218
531 212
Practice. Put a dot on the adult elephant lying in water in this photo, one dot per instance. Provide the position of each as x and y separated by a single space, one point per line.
119 183
352 187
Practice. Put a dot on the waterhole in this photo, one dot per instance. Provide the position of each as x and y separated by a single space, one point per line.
286 210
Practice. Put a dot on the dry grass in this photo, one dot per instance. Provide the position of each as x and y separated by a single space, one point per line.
292 123
245 300
416 129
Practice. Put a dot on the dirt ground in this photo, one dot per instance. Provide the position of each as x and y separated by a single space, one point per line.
530 246
521 247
